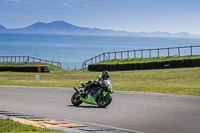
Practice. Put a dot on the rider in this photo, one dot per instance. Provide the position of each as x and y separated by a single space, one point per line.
99 80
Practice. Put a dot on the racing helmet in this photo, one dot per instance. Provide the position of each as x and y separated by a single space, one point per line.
105 75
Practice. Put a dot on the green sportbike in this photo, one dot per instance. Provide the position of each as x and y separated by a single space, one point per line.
100 95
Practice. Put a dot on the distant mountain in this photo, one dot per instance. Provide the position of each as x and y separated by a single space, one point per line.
54 26
61 27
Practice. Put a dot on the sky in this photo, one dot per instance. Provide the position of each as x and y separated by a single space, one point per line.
124 15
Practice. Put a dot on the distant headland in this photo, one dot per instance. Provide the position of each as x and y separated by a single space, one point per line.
62 27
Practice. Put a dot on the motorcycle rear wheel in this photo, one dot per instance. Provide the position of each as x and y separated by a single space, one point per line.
104 101
76 99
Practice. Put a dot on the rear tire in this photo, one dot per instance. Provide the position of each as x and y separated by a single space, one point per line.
104 101
76 99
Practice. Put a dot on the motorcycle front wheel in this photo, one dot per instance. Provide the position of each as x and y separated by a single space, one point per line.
104 101
76 99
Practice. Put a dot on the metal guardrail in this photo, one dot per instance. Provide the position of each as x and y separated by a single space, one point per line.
139 54
27 59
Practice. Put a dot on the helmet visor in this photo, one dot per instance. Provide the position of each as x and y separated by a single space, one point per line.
106 77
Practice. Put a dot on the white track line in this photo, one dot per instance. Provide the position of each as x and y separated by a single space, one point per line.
128 130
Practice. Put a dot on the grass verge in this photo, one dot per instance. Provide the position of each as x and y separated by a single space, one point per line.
145 60
176 81
9 126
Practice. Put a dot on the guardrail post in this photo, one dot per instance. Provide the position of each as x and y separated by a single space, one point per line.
150 53
95 59
191 51
115 55
127 54
121 55
68 66
158 52
178 51
99 58
141 53
168 52
134 54
83 65
75 65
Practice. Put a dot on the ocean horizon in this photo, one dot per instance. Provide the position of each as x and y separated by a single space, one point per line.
72 50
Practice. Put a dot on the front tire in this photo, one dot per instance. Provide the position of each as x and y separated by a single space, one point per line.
76 99
104 101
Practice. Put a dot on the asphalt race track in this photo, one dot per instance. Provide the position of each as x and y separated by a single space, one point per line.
134 111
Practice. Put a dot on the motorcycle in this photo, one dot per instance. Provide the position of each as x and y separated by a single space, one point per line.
101 95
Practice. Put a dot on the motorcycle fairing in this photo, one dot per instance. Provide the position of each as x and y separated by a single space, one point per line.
89 100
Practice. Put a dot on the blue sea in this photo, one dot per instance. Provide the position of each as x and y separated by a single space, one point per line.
72 50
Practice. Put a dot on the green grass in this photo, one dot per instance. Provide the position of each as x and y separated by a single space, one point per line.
145 60
177 81
9 126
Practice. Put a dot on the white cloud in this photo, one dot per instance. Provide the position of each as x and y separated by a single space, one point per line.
67 5
85 6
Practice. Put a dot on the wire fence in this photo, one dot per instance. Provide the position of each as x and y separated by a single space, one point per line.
144 53
26 59
71 65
